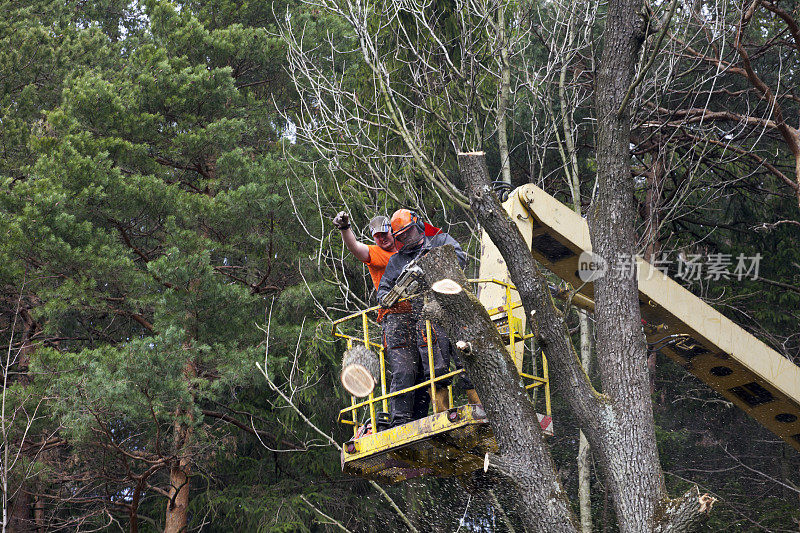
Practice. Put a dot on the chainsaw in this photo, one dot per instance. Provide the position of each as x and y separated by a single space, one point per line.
408 284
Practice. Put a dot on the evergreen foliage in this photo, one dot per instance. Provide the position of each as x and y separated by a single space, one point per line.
158 213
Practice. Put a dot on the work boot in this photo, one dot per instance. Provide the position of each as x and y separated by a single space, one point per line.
472 397
442 400
422 401
402 407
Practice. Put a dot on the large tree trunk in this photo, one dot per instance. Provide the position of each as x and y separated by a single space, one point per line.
633 472
177 515
523 456
619 423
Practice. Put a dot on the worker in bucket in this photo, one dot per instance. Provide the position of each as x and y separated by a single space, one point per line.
376 256
404 329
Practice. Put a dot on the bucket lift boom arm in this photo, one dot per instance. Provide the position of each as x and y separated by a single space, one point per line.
720 353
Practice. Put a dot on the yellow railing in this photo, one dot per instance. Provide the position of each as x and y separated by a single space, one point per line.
514 337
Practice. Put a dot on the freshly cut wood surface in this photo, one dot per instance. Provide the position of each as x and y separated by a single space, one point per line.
360 370
446 286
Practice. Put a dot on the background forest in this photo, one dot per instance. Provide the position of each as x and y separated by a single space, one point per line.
169 171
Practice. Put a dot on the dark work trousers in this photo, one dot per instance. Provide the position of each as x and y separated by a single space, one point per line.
422 396
449 353
407 357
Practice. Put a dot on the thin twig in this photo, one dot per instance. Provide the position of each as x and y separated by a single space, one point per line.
330 519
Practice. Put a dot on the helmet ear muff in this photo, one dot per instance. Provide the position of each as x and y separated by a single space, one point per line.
417 221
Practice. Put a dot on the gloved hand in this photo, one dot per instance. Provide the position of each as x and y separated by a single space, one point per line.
342 220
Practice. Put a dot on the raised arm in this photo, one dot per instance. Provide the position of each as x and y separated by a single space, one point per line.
358 249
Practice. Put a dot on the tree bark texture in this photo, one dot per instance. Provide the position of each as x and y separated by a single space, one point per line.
505 95
619 423
547 320
177 517
510 411
584 450
684 513
177 514
21 516
633 472
584 483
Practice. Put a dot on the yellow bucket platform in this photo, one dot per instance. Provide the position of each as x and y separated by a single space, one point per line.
445 444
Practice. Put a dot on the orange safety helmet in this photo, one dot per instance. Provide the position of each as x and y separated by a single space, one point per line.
402 219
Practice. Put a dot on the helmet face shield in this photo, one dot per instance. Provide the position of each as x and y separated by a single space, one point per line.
408 235
403 220
401 231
